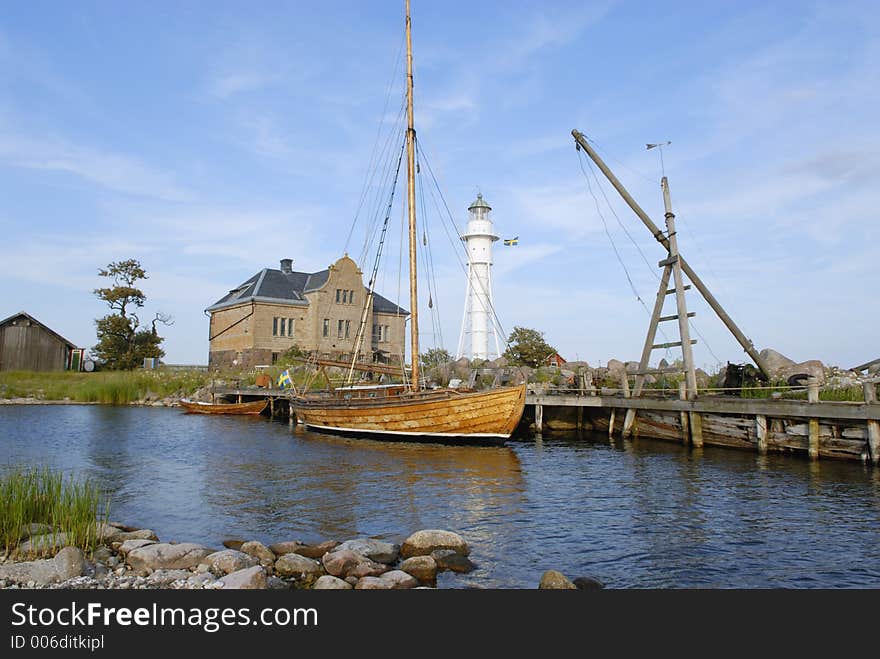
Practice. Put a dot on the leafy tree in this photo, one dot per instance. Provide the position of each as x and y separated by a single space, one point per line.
435 357
527 347
122 342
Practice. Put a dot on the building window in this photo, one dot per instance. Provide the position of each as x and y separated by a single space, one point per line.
275 326
347 327
338 295
376 336
345 297
351 297
290 327
340 326
326 327
274 357
385 333
283 323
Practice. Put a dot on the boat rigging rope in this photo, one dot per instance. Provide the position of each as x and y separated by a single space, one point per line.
396 71
430 272
371 286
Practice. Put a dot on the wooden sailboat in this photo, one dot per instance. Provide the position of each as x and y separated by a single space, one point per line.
445 415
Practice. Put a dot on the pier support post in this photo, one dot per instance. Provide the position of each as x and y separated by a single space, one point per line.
271 407
685 422
873 424
813 397
611 423
761 433
539 418
630 416
696 421
580 418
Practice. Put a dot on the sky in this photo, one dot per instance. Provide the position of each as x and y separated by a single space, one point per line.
211 140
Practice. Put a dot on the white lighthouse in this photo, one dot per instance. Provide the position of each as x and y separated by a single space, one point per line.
479 320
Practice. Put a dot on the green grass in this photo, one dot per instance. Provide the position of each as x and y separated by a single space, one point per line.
112 387
43 496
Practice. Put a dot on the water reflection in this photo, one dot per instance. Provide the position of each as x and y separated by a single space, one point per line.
634 513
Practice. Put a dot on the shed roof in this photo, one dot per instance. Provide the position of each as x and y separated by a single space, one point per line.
24 314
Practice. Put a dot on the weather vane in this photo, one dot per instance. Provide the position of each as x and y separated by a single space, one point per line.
659 145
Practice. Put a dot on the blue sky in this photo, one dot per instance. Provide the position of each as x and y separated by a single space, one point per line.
210 140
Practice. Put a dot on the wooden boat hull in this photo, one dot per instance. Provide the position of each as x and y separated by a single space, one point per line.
449 416
254 407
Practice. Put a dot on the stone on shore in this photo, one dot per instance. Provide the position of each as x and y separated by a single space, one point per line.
343 563
229 561
393 580
165 577
29 530
588 583
422 543
131 545
448 559
375 550
251 578
775 362
423 568
258 550
553 580
183 556
38 546
108 533
329 582
233 544
288 547
300 568
67 564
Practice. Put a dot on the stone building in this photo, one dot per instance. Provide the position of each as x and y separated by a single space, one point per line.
320 312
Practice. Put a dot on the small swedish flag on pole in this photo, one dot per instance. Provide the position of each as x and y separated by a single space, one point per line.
284 380
511 241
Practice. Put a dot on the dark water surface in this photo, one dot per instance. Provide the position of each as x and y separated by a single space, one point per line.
643 514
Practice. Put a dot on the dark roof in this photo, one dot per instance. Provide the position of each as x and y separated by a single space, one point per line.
289 287
70 344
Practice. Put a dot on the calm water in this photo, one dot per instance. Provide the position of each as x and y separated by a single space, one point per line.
642 514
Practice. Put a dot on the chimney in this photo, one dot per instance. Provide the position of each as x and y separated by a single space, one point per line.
286 266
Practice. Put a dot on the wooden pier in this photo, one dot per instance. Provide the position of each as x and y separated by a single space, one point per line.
849 430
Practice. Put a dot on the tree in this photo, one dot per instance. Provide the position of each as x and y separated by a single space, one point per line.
122 342
435 357
527 347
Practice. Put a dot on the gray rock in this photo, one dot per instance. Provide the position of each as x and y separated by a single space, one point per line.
200 580
811 368
259 551
448 559
233 544
252 578
775 361
288 547
41 572
228 561
588 583
165 577
183 556
423 568
553 580
344 562
422 543
29 530
102 553
69 563
329 582
375 550
393 580
108 533
38 546
130 545
300 568
276 583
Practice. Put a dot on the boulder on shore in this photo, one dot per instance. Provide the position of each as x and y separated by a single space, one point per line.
375 550
252 578
422 543
553 580
183 556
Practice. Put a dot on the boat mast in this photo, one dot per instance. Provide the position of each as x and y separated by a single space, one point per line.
411 203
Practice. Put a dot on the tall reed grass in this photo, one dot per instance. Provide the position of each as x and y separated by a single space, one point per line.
43 496
110 387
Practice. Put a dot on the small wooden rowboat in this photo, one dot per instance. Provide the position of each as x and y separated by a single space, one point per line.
254 407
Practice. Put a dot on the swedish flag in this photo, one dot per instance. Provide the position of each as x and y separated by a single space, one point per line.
284 380
511 241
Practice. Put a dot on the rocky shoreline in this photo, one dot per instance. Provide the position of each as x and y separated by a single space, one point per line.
129 558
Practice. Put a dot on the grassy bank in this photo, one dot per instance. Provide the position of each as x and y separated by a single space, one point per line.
112 387
43 496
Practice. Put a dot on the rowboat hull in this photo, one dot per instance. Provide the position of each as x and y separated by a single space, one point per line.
447 416
254 408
